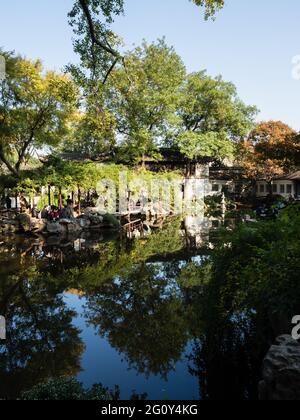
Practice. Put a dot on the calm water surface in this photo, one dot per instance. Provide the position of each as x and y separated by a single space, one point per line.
118 312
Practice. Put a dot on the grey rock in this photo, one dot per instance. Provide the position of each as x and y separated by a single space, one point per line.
55 228
84 222
74 227
25 222
95 219
281 371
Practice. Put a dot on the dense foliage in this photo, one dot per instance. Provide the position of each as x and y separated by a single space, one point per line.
255 269
35 108
153 103
212 118
87 177
271 149
66 390
95 41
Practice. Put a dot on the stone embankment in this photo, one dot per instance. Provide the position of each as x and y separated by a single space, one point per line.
22 223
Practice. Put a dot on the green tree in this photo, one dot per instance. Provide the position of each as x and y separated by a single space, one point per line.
34 110
271 149
213 117
93 133
98 48
91 21
144 97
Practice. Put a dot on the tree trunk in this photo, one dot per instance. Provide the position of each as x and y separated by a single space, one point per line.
10 167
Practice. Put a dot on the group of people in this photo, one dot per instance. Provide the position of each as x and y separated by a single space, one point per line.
50 213
53 213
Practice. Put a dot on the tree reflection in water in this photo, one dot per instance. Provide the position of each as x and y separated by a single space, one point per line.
148 298
142 314
41 341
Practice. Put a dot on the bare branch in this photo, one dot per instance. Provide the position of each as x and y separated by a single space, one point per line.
110 70
94 38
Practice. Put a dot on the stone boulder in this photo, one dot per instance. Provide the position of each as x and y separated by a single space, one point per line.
64 226
22 222
95 219
84 222
74 227
9 226
25 222
55 228
281 371
37 225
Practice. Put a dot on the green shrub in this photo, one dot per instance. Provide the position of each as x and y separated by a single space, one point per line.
112 220
66 389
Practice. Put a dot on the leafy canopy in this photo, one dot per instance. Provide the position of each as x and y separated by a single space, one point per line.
212 117
144 98
96 43
271 149
34 110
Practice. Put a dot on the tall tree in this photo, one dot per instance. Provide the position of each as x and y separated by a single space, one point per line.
145 105
270 150
98 49
91 21
34 110
213 118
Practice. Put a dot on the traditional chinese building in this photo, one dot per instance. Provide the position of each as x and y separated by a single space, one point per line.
286 186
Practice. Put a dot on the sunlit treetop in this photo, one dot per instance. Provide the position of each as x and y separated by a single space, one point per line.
95 42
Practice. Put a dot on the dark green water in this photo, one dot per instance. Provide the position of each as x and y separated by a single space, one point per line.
119 312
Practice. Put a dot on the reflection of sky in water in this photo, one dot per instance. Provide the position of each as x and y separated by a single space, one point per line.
102 363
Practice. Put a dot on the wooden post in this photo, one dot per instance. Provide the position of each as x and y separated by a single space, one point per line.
60 199
79 201
49 195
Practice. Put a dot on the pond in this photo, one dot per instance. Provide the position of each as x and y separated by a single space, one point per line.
108 310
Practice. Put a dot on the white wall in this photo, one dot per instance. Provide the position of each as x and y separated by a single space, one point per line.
283 188
216 187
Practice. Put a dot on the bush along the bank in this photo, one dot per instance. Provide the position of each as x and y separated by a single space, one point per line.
68 389
257 267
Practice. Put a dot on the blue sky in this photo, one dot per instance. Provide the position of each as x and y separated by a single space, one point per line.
251 43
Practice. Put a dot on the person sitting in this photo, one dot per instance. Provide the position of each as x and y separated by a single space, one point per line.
45 213
54 214
64 213
67 212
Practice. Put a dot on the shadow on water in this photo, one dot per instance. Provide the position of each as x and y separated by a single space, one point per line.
132 313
